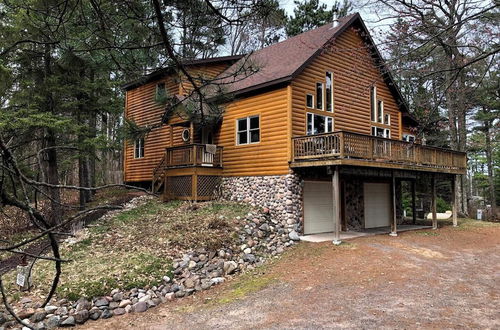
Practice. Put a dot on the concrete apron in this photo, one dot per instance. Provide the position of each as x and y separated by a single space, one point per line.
348 235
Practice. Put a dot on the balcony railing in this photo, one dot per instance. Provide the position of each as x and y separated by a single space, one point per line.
192 155
359 146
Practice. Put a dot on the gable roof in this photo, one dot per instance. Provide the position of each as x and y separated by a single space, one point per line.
160 73
283 61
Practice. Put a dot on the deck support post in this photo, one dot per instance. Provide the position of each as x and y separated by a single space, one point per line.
414 201
433 202
394 222
454 200
336 205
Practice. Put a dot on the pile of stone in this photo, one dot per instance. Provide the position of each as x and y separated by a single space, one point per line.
259 237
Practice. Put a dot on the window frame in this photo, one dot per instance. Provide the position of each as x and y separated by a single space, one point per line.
407 136
327 118
373 103
322 98
330 109
387 132
312 102
380 112
248 130
139 148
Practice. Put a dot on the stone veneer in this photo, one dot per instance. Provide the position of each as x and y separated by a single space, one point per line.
354 204
281 194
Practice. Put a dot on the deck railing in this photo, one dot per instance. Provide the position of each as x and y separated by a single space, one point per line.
359 146
192 155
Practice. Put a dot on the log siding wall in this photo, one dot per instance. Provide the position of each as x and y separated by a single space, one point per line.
354 72
140 106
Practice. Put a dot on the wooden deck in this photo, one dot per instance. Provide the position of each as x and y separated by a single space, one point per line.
189 172
346 148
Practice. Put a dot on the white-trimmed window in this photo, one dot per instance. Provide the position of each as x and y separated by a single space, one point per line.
373 105
381 132
408 137
139 148
248 130
329 91
380 111
310 101
319 95
387 119
317 124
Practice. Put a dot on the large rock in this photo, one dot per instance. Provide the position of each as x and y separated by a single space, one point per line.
118 296
101 302
53 322
82 316
50 309
68 322
106 314
294 236
3 318
140 307
39 315
95 314
230 267
119 311
124 303
83 304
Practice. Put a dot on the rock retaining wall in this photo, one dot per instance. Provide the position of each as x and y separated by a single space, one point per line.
281 194
260 236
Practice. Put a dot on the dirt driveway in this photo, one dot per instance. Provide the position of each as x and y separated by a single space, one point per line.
449 278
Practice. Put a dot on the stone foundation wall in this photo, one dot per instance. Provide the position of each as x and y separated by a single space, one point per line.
354 205
281 194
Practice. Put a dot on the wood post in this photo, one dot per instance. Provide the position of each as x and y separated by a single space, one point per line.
414 200
454 200
433 202
336 205
394 222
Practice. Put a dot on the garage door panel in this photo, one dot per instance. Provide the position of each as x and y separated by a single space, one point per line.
318 210
377 205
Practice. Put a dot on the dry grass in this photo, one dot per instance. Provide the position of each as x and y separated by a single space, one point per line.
135 248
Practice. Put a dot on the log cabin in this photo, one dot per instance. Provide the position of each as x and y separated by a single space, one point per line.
320 135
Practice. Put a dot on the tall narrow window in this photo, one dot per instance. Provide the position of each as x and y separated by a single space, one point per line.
373 106
309 101
319 96
139 148
329 91
380 111
248 130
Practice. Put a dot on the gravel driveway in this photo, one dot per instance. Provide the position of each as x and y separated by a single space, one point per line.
449 278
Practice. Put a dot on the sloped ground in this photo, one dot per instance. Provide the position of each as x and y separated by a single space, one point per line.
447 278
133 248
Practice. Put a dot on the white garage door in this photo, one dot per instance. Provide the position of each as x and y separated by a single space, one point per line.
318 211
377 197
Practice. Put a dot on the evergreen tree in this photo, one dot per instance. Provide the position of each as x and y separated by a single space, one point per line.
311 14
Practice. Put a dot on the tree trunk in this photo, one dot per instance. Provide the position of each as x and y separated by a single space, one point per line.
491 172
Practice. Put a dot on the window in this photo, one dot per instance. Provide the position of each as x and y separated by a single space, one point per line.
319 96
329 91
373 97
248 130
310 101
139 148
409 138
160 90
381 132
380 111
317 124
387 119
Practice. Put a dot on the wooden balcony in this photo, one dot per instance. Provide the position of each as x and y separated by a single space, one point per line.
189 172
346 148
